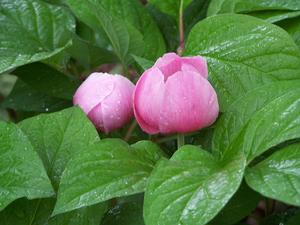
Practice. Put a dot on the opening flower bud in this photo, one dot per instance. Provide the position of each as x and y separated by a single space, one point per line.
106 99
174 96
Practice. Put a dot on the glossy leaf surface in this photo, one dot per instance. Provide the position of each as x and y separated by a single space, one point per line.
31 31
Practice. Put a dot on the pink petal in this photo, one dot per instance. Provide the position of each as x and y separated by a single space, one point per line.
147 99
93 90
117 107
190 103
168 64
96 116
195 63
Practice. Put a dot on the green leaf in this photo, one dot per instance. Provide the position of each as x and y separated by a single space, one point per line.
170 7
57 137
244 51
282 167
38 212
31 31
148 150
108 169
191 188
167 25
274 107
276 15
22 172
195 12
47 80
240 6
143 63
134 13
239 207
126 213
127 25
60 61
25 98
89 54
292 26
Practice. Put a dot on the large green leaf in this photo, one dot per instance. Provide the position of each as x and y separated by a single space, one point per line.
126 212
239 207
170 7
134 13
90 55
59 136
32 30
47 80
239 6
243 52
167 25
38 212
24 98
275 15
21 171
191 188
127 25
278 176
245 126
193 13
292 26
143 63
108 169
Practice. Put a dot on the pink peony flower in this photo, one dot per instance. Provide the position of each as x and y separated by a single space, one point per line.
106 99
174 96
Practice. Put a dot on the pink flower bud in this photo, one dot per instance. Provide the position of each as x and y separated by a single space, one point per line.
174 96
106 99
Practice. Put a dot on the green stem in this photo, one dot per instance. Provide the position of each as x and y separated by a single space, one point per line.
180 140
126 71
173 137
130 130
181 30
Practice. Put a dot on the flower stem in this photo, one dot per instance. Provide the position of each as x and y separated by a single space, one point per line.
130 130
180 140
173 137
181 30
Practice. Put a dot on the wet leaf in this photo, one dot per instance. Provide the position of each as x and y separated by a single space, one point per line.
108 169
276 15
126 212
243 53
58 136
292 26
239 6
170 7
38 212
238 207
47 80
25 98
31 31
273 107
22 171
278 176
126 24
191 188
